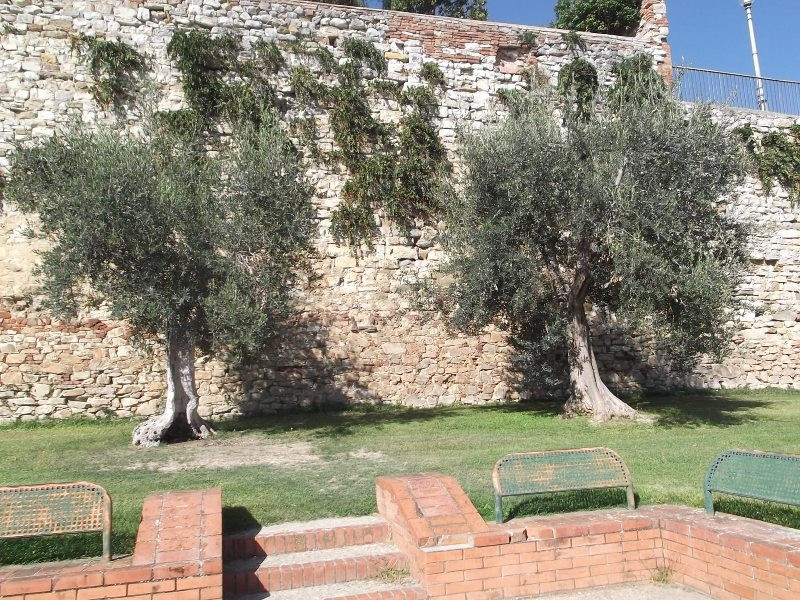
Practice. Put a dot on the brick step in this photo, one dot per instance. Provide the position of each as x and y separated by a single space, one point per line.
369 589
322 534
309 569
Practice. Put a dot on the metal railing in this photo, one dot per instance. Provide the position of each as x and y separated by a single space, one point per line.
733 89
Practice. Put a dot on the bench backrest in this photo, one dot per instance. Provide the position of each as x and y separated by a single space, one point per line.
38 510
758 475
559 471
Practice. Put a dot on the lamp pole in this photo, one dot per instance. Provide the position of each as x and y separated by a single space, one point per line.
762 98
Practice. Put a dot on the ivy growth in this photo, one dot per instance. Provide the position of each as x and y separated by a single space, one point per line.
575 43
218 84
307 88
389 166
203 62
269 55
114 66
395 175
432 73
364 52
777 158
578 84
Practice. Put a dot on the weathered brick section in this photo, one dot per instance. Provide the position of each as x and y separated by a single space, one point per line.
654 29
293 576
727 557
178 556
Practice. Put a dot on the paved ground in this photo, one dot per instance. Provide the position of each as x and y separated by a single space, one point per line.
632 592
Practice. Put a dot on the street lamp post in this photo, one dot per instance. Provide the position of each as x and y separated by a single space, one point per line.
762 98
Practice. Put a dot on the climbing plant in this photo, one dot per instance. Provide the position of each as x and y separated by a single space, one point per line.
389 166
776 157
203 62
218 83
432 73
114 66
577 80
395 174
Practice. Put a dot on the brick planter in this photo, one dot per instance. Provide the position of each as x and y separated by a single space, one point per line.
458 556
178 556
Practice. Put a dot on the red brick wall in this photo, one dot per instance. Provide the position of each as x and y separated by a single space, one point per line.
459 558
178 556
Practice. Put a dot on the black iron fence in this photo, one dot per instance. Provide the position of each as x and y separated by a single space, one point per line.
732 89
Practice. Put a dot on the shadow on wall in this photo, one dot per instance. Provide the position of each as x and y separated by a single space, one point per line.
299 372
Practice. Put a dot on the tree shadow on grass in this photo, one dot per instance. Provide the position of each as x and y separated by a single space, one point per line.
339 420
565 502
788 516
330 421
697 408
22 551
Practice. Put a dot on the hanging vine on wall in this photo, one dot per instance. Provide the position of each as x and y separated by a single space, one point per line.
389 166
204 62
396 176
578 81
114 66
776 157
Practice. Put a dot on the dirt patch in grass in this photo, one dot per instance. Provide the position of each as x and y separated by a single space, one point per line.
216 453
364 454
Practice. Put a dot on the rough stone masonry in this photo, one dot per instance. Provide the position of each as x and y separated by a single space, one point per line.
357 338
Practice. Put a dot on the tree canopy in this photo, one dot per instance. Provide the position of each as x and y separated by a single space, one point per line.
617 17
616 207
200 249
465 9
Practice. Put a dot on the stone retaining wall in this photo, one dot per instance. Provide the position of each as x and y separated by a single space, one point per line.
355 339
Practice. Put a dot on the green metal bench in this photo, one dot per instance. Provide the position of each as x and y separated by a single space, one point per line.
559 471
54 509
757 475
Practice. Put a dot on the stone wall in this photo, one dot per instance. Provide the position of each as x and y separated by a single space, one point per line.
355 338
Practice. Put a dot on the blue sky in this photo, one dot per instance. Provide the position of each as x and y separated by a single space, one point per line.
711 34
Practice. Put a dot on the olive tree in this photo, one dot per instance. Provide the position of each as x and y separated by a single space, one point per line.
615 207
197 249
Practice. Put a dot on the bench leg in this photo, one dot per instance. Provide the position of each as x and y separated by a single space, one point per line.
631 498
107 527
709 501
498 508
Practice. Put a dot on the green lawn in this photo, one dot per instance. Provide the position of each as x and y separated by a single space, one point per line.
324 464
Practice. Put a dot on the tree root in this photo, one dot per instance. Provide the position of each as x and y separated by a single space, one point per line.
161 429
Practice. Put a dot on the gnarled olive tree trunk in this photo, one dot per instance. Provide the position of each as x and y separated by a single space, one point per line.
590 396
180 420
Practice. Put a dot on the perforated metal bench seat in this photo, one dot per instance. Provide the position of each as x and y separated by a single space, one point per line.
54 509
529 473
751 474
